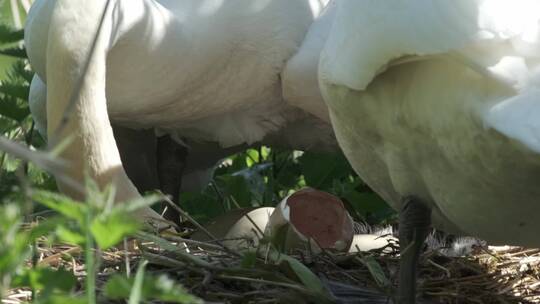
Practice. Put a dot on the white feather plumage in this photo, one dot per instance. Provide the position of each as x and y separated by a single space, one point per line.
457 125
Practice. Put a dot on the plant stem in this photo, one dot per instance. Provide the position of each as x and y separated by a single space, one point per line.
90 261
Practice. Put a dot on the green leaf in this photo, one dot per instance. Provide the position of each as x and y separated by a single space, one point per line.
321 169
138 203
70 236
109 229
63 299
237 187
160 288
10 35
62 204
118 287
46 227
202 206
14 251
46 280
253 186
369 205
7 125
278 237
18 71
376 271
302 273
289 176
16 52
10 108
15 90
249 259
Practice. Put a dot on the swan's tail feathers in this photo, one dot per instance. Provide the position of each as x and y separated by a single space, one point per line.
517 118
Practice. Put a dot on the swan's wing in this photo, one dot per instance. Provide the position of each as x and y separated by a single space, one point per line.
498 39
517 118
367 35
502 77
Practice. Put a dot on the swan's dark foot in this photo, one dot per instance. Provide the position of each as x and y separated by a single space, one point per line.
171 161
414 226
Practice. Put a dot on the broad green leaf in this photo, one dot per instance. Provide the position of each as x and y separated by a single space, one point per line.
321 169
118 287
70 235
46 227
366 201
95 197
253 185
46 280
289 176
237 187
252 157
62 204
63 299
14 251
109 229
371 206
138 203
160 288
204 205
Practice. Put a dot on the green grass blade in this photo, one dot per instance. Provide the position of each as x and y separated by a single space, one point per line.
135 296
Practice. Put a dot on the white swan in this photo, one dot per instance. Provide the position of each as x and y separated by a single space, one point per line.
205 69
158 162
437 106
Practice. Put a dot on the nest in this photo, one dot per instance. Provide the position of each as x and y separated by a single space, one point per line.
216 274
489 275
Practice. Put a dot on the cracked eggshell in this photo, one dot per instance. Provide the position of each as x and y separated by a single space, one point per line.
237 227
313 217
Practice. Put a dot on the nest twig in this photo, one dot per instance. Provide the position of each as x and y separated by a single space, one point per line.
489 275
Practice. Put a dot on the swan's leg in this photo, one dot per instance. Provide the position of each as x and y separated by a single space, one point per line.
76 100
138 153
171 161
414 226
153 163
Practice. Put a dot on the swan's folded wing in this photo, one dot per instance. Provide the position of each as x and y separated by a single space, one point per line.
517 118
367 35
